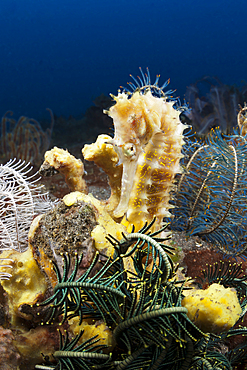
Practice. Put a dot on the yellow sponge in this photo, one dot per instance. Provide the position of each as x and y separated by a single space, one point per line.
100 329
26 284
213 310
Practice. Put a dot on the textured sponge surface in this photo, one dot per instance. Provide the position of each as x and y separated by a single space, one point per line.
213 310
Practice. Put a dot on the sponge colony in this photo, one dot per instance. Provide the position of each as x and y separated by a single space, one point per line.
213 310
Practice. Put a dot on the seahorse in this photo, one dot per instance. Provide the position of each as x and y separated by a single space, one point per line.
148 140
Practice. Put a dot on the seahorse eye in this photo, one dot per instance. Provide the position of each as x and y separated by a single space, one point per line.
129 150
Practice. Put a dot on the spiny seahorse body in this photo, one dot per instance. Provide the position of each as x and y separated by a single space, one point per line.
148 140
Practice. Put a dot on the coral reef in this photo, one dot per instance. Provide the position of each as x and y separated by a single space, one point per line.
96 329
33 343
71 132
103 271
105 224
112 296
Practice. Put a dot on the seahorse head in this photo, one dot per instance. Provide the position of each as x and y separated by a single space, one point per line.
132 122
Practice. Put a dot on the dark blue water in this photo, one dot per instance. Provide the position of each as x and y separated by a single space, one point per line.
62 54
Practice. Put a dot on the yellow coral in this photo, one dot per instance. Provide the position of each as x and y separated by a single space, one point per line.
213 310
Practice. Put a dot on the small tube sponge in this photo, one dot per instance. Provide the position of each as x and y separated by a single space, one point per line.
213 310
65 163
104 155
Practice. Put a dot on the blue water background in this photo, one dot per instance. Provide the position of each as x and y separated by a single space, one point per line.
62 54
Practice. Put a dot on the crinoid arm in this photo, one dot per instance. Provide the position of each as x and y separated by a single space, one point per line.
142 308
144 245
98 296
4 262
20 200
86 355
211 196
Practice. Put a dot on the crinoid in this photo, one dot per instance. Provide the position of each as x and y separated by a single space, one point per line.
142 307
21 199
86 355
206 355
211 197
146 246
100 296
208 352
